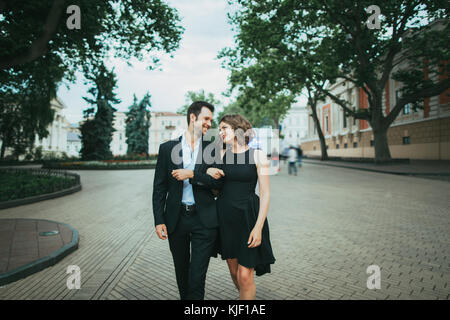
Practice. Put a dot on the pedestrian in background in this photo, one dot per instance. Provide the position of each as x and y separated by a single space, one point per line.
299 156
275 159
292 160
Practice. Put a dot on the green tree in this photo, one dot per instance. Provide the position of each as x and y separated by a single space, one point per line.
192 96
97 130
200 95
137 125
127 28
38 50
410 46
25 94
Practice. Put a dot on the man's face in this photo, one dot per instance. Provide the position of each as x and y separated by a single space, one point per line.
203 121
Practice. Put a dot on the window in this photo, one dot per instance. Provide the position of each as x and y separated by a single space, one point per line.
407 140
326 123
120 136
407 109
354 119
337 146
345 145
355 144
162 123
372 143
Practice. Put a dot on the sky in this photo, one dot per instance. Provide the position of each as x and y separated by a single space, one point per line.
194 65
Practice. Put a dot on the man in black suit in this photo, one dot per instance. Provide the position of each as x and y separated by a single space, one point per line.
184 206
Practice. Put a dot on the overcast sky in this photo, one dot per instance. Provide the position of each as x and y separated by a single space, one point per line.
193 67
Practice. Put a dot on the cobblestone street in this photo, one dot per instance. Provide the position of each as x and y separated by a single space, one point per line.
328 224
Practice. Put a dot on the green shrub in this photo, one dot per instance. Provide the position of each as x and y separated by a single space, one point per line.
21 184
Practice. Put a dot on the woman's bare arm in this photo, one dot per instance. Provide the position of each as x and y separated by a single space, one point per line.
262 166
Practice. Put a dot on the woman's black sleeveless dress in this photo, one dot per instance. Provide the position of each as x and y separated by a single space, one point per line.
237 208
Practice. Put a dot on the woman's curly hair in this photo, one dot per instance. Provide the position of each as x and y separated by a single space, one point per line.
242 127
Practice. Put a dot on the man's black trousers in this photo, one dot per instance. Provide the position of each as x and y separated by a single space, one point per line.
191 266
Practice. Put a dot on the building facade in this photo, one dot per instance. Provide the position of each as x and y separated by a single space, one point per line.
73 140
56 141
422 134
294 127
118 144
163 126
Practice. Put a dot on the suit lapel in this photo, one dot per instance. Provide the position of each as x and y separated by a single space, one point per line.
178 145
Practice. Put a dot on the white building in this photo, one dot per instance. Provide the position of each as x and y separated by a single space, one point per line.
118 144
73 140
163 126
56 141
294 127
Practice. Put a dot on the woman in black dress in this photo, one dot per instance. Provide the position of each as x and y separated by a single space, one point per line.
244 230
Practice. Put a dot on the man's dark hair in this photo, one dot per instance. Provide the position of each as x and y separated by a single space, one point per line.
196 108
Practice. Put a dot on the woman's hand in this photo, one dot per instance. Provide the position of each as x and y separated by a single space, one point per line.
255 237
216 173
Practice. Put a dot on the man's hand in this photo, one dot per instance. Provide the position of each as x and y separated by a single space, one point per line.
215 173
182 174
161 231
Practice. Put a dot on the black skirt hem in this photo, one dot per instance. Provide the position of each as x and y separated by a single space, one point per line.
260 269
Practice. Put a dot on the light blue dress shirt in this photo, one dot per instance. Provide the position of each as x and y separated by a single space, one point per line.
189 160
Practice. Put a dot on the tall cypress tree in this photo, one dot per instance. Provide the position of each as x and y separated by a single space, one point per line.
138 124
97 130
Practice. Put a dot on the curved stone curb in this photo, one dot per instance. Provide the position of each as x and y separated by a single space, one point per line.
40 264
382 171
41 197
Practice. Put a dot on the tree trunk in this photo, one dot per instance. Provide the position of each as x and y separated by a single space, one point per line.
382 152
379 129
323 146
2 155
276 123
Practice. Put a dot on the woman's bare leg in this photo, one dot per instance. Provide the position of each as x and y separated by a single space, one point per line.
246 281
233 266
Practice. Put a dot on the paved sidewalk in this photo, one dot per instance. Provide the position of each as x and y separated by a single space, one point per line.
423 168
328 225
30 245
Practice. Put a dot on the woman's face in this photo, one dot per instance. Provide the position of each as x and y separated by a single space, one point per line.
226 133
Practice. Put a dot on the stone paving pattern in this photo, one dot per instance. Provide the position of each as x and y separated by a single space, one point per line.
20 242
328 224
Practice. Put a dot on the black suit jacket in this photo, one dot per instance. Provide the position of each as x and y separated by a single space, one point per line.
168 191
